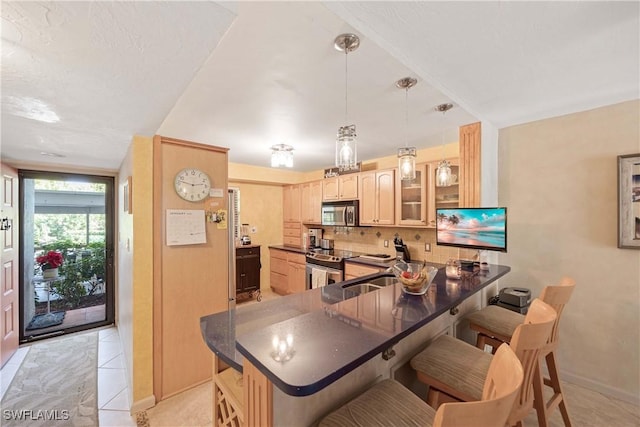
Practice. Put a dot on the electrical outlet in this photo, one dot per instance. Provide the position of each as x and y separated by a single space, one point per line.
386 243
254 229
427 247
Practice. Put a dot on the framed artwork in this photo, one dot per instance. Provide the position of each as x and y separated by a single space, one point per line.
629 201
128 208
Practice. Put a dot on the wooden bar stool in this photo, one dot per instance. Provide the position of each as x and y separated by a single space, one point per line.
388 403
495 325
451 367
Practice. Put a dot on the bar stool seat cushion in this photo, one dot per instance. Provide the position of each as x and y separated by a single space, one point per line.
387 403
451 361
500 320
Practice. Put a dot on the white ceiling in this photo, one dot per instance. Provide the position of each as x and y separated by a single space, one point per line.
79 79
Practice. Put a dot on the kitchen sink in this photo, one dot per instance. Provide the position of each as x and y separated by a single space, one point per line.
383 281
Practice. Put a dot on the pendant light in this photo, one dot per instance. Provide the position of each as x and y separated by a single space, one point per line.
346 147
443 173
281 155
407 155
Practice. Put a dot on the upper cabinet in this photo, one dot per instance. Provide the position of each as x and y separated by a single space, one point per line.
411 198
469 177
377 197
341 187
291 203
443 197
311 202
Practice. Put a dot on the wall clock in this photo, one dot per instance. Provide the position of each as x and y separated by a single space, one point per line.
192 184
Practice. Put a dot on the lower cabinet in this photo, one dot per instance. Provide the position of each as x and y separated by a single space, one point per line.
247 269
354 270
287 274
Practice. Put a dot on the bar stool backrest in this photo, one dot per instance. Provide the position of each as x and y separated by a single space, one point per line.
528 341
501 388
557 296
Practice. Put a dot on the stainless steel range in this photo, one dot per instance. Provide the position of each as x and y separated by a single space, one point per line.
325 267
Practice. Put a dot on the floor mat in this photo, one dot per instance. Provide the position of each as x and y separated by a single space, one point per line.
40 321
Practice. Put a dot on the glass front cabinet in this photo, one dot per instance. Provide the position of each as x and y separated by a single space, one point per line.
411 198
443 197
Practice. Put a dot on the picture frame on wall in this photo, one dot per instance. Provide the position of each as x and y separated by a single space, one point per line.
629 201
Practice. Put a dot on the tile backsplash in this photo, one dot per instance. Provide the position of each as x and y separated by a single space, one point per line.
371 240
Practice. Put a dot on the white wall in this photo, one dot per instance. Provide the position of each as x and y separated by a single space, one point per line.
558 178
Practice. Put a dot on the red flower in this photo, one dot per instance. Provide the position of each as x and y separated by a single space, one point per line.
51 259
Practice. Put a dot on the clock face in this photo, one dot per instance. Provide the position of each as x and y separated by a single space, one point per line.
192 184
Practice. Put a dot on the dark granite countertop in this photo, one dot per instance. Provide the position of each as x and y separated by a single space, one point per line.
296 249
305 341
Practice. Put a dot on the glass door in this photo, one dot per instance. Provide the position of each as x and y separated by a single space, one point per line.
66 243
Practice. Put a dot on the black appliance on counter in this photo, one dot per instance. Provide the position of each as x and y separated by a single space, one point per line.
515 299
402 252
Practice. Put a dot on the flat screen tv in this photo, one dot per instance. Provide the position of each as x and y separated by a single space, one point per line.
472 228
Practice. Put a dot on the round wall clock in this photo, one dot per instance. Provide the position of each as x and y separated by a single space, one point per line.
192 184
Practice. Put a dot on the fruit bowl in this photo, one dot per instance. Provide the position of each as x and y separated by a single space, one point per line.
414 276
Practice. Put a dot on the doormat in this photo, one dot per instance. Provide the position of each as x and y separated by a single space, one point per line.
56 384
40 321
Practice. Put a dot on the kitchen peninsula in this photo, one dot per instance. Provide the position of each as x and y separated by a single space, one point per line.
304 354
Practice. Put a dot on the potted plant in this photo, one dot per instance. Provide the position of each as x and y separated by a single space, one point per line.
49 263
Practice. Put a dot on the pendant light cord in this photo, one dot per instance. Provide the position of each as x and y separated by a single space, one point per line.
346 87
406 117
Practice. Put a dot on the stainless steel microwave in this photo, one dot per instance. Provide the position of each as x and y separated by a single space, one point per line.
343 214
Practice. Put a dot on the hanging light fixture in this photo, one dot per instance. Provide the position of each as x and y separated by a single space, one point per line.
281 155
346 144
407 155
443 173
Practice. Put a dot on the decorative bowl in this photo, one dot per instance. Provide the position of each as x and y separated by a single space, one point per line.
414 276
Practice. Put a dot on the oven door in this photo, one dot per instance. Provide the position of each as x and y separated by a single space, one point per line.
333 276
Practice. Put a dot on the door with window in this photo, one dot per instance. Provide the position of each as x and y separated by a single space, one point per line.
66 267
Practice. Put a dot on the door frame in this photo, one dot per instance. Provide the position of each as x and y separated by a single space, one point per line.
110 222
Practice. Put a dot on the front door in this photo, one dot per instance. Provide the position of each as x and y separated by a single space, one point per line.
9 259
66 268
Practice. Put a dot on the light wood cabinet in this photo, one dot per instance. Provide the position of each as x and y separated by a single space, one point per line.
443 197
377 198
291 203
287 274
311 202
341 187
297 264
353 270
291 213
278 276
412 198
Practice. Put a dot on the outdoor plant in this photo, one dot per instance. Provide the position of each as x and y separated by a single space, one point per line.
70 287
51 259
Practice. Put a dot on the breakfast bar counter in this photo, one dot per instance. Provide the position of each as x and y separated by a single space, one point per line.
305 342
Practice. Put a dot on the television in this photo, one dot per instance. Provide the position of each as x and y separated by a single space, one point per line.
472 228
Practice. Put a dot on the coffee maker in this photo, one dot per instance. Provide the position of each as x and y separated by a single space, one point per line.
315 234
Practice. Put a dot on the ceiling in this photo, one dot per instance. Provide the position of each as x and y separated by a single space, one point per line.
79 79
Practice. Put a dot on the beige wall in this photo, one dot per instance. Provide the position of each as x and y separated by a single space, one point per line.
135 285
261 207
558 179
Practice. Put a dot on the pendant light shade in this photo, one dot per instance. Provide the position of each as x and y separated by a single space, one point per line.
443 173
346 143
407 163
281 156
407 155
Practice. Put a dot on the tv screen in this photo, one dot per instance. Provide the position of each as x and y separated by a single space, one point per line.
472 228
